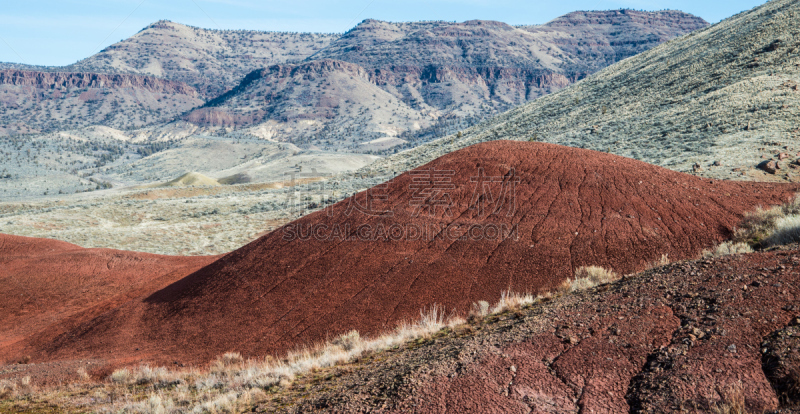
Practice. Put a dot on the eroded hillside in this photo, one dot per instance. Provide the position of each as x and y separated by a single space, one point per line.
55 101
386 85
212 61
717 102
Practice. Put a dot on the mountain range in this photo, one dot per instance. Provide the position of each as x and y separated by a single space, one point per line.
709 103
426 77
378 89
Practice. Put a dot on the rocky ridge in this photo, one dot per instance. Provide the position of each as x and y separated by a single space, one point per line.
432 77
717 103
49 101
212 61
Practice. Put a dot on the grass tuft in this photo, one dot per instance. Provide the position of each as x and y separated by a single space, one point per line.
732 401
587 277
728 248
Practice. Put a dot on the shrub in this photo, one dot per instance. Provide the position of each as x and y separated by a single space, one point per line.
8 389
155 404
787 230
146 375
732 402
347 341
121 376
759 226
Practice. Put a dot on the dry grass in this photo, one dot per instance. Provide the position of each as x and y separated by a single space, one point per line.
726 249
232 384
732 402
587 277
511 301
480 309
770 227
663 261
16 389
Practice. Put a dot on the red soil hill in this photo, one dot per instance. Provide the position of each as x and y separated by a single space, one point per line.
49 286
566 208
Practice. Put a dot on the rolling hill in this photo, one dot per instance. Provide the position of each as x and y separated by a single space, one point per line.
506 215
50 284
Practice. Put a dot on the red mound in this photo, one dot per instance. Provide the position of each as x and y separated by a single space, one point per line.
463 228
49 286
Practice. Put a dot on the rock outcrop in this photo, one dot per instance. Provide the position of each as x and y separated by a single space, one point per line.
703 336
67 80
32 101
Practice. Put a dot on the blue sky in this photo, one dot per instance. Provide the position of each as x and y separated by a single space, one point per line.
59 32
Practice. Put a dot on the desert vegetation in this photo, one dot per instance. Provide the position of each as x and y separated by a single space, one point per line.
728 248
762 229
587 277
773 226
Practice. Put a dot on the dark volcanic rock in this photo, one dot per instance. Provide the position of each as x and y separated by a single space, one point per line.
781 362
65 80
659 342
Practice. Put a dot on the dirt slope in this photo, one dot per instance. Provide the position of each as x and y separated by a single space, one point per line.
676 339
47 285
571 208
